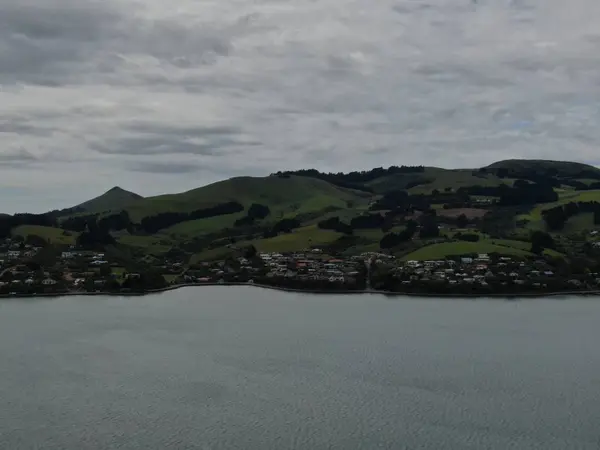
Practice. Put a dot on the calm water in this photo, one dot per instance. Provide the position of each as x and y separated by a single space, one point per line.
243 368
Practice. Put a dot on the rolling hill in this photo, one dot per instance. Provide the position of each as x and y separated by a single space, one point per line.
284 196
561 168
205 222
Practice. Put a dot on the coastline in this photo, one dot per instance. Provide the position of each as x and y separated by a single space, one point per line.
310 292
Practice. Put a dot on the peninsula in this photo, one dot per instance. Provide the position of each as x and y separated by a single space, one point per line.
516 227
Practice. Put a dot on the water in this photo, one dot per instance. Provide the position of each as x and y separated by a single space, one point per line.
243 368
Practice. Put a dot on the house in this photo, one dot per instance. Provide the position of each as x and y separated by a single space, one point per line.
48 282
67 255
98 262
466 260
12 254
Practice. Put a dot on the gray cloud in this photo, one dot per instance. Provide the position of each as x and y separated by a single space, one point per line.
17 155
164 168
253 87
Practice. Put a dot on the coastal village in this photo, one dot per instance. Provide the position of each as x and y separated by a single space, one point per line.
25 270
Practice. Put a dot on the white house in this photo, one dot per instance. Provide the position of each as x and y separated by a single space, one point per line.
48 282
67 255
99 262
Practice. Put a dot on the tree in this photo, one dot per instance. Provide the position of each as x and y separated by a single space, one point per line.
429 226
412 226
555 218
597 217
105 270
469 237
462 221
250 252
258 211
541 240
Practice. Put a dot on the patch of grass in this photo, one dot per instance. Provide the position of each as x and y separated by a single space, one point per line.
119 273
213 254
446 249
154 245
50 234
193 228
299 239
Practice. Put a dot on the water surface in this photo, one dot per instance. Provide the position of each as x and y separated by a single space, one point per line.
245 368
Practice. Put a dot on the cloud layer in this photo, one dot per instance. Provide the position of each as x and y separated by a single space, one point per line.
158 96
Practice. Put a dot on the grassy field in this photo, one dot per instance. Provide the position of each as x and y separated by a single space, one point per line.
446 249
574 224
566 197
300 239
154 245
284 196
213 254
192 228
52 235
439 179
502 246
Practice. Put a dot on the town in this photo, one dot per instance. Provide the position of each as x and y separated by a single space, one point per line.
27 269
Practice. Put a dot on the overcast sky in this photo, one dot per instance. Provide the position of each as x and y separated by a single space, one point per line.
163 96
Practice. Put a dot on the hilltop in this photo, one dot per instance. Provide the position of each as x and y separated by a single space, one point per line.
562 168
112 199
408 211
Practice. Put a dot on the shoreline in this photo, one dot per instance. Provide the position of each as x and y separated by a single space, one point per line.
309 292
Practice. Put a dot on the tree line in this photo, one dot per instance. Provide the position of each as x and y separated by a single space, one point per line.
355 179
557 217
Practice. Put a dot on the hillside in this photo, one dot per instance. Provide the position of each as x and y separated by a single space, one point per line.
399 210
113 199
560 168
283 195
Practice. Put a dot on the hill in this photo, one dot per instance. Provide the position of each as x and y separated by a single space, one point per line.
284 195
398 210
113 199
559 168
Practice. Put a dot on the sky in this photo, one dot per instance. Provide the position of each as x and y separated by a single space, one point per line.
164 96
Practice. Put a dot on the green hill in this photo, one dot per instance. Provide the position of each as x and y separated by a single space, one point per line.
561 168
285 196
435 178
113 199
212 220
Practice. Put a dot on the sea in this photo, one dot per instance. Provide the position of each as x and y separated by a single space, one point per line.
250 368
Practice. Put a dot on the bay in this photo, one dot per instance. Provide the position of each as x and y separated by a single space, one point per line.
248 368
